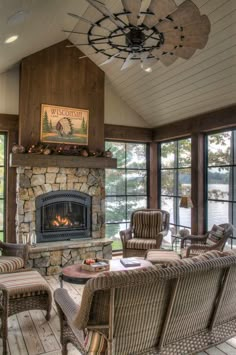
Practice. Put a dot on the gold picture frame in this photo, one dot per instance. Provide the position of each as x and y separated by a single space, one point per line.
64 125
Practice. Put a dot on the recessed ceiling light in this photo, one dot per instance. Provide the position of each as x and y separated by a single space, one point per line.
11 39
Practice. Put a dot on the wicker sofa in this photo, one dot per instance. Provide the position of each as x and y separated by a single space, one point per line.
181 309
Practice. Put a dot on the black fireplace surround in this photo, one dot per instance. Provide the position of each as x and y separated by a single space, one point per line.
63 215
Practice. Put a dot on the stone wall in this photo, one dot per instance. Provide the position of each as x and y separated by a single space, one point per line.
52 257
32 182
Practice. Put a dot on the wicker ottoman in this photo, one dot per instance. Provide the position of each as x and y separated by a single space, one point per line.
20 292
157 256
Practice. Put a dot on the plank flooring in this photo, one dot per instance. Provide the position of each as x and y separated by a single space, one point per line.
30 334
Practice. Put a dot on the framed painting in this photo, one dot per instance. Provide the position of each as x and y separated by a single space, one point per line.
64 125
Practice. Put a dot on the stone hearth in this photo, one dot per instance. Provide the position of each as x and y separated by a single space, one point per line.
50 258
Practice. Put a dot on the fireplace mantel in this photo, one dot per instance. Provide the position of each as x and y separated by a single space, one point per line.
61 161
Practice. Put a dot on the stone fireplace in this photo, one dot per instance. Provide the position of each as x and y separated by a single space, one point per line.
63 215
61 203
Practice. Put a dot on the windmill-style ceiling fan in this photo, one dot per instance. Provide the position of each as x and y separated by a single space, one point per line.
161 32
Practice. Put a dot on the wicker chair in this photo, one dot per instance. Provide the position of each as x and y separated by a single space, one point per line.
212 240
147 229
13 257
175 310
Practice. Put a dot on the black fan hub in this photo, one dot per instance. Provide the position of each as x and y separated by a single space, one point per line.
135 38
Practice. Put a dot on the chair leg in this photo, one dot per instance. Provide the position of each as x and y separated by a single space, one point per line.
48 314
64 348
4 333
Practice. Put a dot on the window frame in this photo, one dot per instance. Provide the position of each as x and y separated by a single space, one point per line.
177 169
207 166
147 195
5 177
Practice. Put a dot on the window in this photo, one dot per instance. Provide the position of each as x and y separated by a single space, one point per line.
2 184
221 178
175 180
126 187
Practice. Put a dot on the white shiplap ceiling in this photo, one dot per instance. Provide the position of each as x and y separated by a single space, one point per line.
186 88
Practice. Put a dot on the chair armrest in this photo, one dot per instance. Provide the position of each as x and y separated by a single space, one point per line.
125 235
198 249
194 239
19 250
66 304
159 239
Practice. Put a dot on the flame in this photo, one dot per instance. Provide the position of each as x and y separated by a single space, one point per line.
61 221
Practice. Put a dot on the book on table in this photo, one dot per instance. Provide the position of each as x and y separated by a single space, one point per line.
130 262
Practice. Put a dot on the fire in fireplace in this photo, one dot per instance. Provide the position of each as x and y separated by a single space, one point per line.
63 215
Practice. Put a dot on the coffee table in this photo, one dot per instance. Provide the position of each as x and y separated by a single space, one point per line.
75 274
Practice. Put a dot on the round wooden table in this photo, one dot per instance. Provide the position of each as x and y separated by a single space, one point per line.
75 274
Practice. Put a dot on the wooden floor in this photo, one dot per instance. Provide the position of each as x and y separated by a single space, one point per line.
31 334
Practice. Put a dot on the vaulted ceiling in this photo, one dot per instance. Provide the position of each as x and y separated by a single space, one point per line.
203 83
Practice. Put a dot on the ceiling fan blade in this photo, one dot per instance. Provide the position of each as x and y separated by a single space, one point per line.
202 27
160 9
173 38
109 60
166 48
128 61
184 52
167 59
195 41
81 33
105 12
87 21
132 6
186 13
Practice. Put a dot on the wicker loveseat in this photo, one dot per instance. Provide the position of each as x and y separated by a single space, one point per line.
147 229
176 310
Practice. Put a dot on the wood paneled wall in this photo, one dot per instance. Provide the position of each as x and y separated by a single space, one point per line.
214 120
56 76
9 125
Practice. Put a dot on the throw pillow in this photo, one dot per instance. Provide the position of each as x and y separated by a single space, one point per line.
215 235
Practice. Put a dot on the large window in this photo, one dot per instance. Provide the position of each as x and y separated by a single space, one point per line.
2 184
221 178
126 187
175 180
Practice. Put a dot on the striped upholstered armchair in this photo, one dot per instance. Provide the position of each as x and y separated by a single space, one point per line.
147 229
13 257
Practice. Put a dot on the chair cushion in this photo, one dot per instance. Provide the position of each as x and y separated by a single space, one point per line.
147 224
214 254
161 256
95 343
10 263
215 235
24 284
140 243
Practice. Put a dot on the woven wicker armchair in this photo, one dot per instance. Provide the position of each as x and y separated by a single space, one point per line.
13 257
147 229
212 240
181 309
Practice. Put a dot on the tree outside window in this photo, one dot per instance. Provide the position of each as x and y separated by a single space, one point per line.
175 180
126 187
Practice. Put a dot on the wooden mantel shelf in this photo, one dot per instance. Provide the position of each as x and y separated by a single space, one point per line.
61 161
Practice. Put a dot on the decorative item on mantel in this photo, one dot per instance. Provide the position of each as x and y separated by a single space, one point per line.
18 148
64 149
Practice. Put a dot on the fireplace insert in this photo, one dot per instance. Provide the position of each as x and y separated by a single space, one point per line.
63 215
